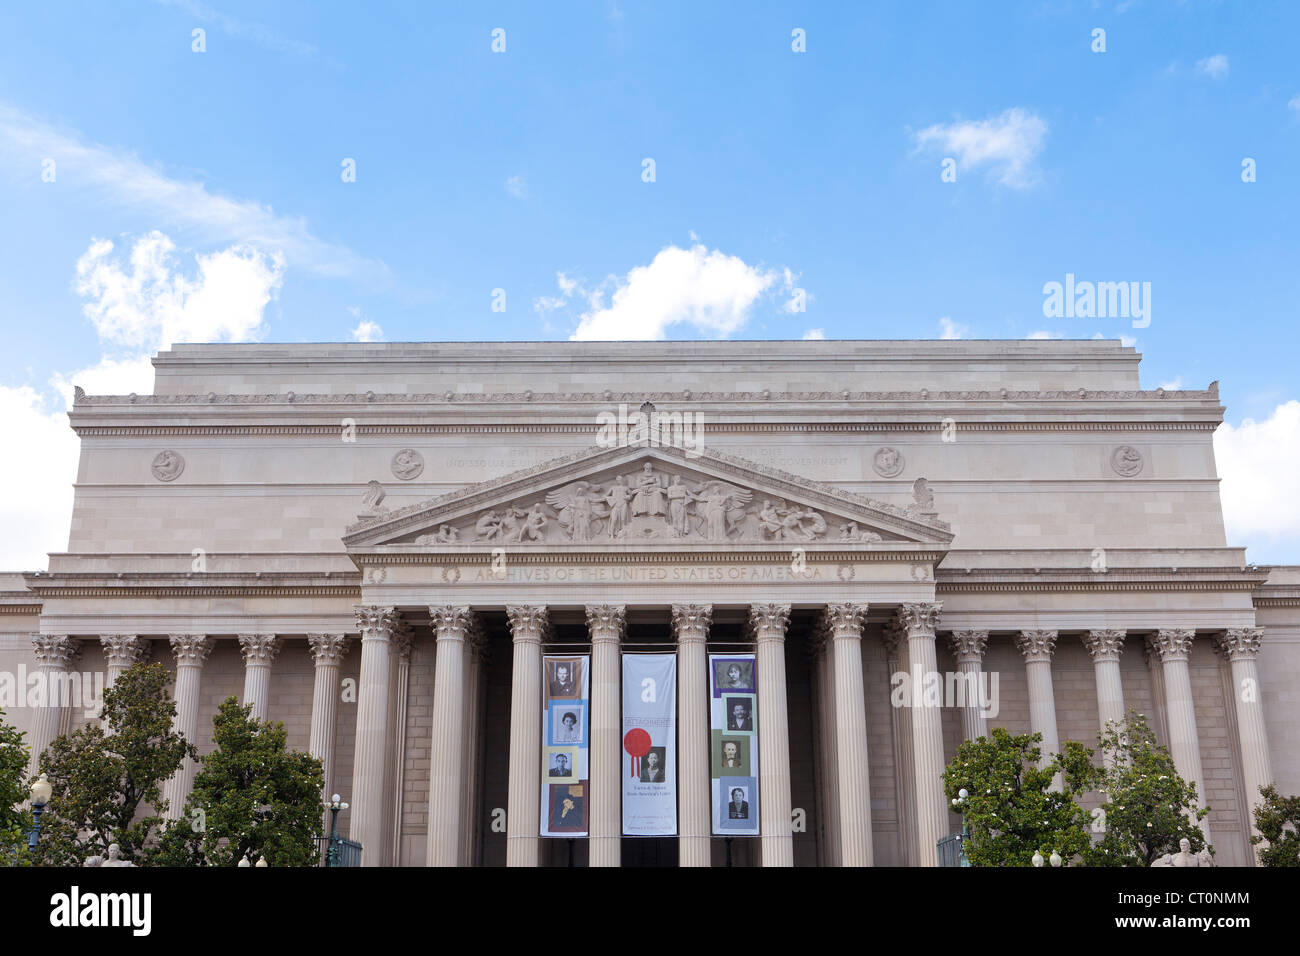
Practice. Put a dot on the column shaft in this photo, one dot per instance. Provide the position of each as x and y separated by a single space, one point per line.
904 767
606 623
769 622
1105 647
259 652
528 626
1037 647
691 625
377 625
447 750
327 652
918 622
190 650
968 648
1241 645
54 652
1174 645
843 624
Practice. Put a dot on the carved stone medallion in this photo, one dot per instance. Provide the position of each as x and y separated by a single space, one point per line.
1127 461
168 465
888 462
407 464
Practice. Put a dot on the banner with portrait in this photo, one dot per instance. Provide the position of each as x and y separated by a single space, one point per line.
733 744
566 710
649 744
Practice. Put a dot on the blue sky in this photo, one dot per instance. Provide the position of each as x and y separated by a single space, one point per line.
781 179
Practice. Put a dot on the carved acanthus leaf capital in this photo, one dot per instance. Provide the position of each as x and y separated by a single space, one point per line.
259 650
191 650
769 621
919 619
55 650
1036 646
1241 643
376 622
123 650
969 646
1173 643
1104 645
451 622
327 649
843 620
606 622
691 622
528 622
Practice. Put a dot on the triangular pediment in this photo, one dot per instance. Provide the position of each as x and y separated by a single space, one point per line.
641 494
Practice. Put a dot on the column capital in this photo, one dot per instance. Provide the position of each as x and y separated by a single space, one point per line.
968 646
260 649
452 622
1240 643
918 620
327 648
376 622
1104 645
191 649
1173 643
769 621
123 650
55 650
691 622
606 622
843 620
528 622
1036 646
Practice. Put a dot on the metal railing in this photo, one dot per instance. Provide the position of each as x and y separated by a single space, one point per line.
339 851
952 850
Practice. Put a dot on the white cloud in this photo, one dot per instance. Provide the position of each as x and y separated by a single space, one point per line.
1174 385
121 178
36 499
950 329
1258 462
1215 67
817 334
708 290
1008 144
1044 334
1293 104
517 186
367 330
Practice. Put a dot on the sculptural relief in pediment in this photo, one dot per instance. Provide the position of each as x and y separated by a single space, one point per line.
647 504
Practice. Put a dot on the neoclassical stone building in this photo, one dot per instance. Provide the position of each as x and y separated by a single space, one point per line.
377 543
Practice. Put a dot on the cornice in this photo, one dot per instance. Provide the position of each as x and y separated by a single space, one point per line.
1083 579
617 554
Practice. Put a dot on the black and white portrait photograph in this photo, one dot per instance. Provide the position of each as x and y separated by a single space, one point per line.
654 766
733 675
740 713
564 678
738 806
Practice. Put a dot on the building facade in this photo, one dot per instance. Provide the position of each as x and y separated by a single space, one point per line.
378 543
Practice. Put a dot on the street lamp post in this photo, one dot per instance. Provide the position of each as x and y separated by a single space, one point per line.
335 806
40 795
959 803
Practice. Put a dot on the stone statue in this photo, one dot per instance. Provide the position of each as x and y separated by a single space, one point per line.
578 505
649 497
790 524
370 501
922 496
531 523
617 499
1185 857
489 526
114 858
679 503
723 507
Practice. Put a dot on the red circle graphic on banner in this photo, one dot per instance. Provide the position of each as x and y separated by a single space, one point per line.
637 742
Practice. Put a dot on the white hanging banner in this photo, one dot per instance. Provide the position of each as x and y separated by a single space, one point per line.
649 744
733 744
565 737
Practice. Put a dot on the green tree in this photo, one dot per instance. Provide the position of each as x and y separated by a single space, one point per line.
251 798
1278 822
108 787
15 823
1147 806
1009 809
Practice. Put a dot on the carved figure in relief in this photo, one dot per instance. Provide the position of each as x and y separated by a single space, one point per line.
922 496
578 505
851 532
374 494
679 502
618 498
530 524
780 523
649 497
445 534
723 507
489 526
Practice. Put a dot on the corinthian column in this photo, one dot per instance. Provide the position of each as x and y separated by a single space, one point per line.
260 651
691 625
54 652
1174 646
1241 646
606 623
327 652
120 652
1105 648
843 626
1037 647
894 639
399 673
769 622
446 756
968 647
918 622
376 625
528 625
190 650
